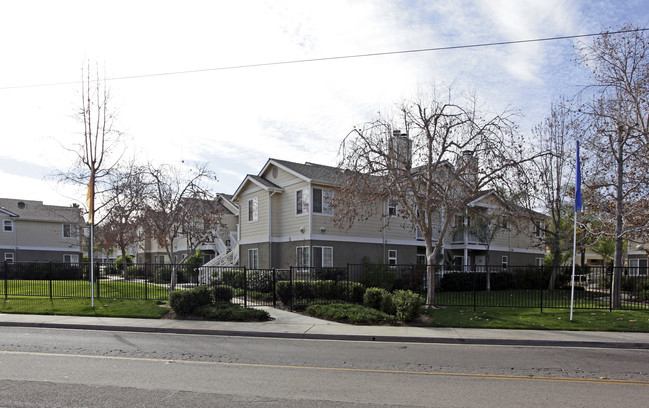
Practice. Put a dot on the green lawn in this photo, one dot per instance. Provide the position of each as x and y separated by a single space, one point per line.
550 319
81 288
150 309
524 298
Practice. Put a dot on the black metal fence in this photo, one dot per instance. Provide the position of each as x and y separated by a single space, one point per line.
297 287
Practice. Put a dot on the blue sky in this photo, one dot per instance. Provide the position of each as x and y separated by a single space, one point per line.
236 119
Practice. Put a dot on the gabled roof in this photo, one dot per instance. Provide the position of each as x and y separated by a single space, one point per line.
7 212
30 210
226 201
260 182
310 172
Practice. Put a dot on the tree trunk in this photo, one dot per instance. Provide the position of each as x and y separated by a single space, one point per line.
556 262
616 288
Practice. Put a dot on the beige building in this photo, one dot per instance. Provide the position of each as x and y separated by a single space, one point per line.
287 220
35 232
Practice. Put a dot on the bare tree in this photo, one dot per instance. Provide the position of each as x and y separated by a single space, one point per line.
95 154
617 137
124 209
174 198
432 172
548 182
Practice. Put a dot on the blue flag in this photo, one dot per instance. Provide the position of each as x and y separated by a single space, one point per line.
578 183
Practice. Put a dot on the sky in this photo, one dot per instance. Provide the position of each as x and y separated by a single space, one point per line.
196 81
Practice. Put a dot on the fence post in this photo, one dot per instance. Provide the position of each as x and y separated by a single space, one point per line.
146 281
541 287
290 287
6 277
274 288
97 278
475 289
245 287
49 272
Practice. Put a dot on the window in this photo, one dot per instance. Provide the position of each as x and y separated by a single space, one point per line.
322 201
638 267
8 226
253 209
71 258
392 257
323 256
421 259
302 201
303 256
392 207
538 229
253 258
69 231
539 261
9 256
505 260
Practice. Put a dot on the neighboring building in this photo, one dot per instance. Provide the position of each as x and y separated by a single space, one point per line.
35 232
287 220
223 238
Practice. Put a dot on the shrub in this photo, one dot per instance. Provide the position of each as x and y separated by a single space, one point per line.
230 312
373 297
349 313
186 301
320 289
222 293
387 304
407 304
233 278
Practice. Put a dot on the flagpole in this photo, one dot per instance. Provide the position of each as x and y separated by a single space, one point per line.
574 256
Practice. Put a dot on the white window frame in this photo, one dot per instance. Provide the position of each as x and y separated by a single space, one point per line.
635 266
392 208
253 258
72 233
539 261
71 258
302 202
504 260
326 196
392 257
303 256
9 257
8 226
253 209
326 256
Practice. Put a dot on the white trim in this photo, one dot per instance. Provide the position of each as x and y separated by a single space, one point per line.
286 169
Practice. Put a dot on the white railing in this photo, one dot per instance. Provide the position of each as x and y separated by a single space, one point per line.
229 258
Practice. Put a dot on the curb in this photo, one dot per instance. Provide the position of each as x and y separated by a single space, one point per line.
340 337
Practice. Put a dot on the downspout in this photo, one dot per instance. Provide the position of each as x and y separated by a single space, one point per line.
466 238
15 242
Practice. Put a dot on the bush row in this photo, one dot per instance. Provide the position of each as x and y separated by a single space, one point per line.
522 279
185 302
404 304
320 289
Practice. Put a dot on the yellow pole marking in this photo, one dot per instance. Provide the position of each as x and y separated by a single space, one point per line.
357 370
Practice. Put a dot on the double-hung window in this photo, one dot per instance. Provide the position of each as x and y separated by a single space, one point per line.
253 209
392 257
8 226
9 256
69 231
253 258
71 258
303 256
323 256
392 207
321 201
638 267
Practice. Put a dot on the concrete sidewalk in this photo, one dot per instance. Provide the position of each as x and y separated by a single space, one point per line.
294 325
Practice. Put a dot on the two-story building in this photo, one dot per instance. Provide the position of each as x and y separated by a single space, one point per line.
287 220
35 232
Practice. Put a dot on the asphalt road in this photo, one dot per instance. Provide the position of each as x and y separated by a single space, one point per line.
53 367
